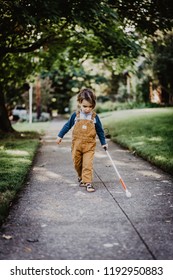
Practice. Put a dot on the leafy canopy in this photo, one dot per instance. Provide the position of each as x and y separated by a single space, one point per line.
27 25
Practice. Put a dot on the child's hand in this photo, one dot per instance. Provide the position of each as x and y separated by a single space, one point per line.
105 146
58 140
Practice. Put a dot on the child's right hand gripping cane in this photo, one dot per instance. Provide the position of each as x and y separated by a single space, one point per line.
105 147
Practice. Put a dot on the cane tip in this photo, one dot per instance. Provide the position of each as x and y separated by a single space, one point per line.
128 194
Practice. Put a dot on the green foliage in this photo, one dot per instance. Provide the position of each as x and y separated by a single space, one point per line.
146 16
16 156
67 78
109 106
156 67
17 159
17 152
23 29
34 128
58 26
148 132
163 65
101 29
15 68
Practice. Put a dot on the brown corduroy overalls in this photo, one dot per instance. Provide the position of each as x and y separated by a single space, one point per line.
83 147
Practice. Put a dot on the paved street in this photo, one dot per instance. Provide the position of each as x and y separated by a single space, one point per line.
54 218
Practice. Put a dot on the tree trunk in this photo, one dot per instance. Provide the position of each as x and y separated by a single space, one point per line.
5 124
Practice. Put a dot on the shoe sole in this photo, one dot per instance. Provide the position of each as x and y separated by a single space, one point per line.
90 190
82 185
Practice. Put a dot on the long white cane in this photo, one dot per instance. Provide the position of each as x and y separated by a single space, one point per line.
128 194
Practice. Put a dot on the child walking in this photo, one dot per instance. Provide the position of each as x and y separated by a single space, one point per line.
86 125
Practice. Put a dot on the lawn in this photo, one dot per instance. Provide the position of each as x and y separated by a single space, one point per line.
16 156
147 132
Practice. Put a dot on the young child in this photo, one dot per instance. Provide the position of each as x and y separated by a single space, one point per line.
86 125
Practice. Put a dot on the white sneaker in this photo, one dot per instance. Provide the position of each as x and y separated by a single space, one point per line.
81 183
90 188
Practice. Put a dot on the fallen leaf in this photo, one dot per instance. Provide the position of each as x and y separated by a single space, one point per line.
27 249
7 236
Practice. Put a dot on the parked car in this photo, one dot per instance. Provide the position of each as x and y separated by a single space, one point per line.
18 112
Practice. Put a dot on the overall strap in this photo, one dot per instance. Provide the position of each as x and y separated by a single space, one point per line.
77 115
93 115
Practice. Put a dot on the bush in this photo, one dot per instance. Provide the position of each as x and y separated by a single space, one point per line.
115 106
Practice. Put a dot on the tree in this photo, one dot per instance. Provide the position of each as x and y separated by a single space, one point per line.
21 31
26 26
147 16
67 76
162 65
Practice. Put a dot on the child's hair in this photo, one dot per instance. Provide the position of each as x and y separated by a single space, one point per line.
88 95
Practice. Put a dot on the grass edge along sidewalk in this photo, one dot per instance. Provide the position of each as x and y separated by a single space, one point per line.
147 132
17 153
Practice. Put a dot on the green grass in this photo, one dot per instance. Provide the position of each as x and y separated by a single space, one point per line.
17 152
40 127
148 132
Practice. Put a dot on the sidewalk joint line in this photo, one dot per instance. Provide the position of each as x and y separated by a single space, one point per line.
139 235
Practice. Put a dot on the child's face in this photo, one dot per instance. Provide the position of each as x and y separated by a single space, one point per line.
86 107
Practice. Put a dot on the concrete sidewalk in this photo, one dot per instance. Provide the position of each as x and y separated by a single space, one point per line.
56 219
